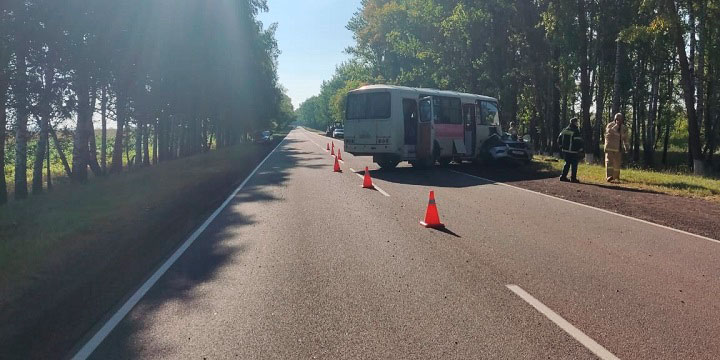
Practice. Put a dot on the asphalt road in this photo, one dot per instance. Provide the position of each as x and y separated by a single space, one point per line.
304 263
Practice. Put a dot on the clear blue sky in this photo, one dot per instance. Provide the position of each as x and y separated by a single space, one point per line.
312 37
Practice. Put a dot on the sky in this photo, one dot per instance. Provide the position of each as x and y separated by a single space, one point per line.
312 38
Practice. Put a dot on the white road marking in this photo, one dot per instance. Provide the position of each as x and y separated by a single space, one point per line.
590 207
578 335
108 327
374 185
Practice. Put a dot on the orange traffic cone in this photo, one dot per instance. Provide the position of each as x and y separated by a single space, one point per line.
332 152
339 156
367 181
327 146
336 168
332 148
432 219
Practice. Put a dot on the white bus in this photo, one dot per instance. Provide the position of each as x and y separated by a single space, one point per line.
422 126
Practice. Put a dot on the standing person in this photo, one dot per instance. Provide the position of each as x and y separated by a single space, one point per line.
513 131
616 136
571 144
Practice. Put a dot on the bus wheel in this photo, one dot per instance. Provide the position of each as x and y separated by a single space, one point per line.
444 161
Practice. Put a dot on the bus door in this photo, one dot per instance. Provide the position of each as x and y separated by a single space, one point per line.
487 120
425 133
470 128
410 122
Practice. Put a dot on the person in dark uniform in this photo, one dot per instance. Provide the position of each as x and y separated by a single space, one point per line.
571 144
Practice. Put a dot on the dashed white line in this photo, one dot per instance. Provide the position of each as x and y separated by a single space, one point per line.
578 335
590 207
108 327
374 185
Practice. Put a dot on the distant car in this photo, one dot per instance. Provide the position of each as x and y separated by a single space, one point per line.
263 137
338 133
503 148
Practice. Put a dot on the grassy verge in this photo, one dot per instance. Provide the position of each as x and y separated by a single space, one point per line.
661 182
67 256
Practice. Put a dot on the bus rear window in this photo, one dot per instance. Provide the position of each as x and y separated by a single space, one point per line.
368 106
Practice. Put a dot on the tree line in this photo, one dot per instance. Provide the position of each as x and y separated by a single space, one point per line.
176 77
655 61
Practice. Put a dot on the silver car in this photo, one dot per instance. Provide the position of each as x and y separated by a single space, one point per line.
503 148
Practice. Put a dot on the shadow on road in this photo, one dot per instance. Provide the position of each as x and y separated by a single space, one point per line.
435 177
220 245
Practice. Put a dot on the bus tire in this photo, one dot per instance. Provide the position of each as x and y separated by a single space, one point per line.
445 161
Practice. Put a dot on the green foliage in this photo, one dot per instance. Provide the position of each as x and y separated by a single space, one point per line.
328 107
546 61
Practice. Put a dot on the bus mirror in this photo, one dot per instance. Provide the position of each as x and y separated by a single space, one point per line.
526 138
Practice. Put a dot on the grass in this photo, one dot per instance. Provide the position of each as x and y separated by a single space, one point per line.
662 182
29 229
78 249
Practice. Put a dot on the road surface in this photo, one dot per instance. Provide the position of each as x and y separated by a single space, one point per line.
304 263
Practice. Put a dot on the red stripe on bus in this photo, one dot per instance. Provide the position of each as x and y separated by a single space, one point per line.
449 130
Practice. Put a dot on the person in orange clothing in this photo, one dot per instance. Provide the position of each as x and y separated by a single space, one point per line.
616 141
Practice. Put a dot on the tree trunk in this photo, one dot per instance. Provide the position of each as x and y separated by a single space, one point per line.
103 135
138 141
555 84
617 78
84 115
585 99
155 144
146 145
21 116
700 70
60 151
162 137
4 83
670 91
49 175
599 113
42 145
649 144
688 88
710 128
121 113
92 151
666 141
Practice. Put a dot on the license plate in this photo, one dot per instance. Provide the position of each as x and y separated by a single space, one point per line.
515 152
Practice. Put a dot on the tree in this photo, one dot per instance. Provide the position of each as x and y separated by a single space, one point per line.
688 85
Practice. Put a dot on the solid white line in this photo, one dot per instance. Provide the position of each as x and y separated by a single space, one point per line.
590 207
105 330
374 185
580 336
